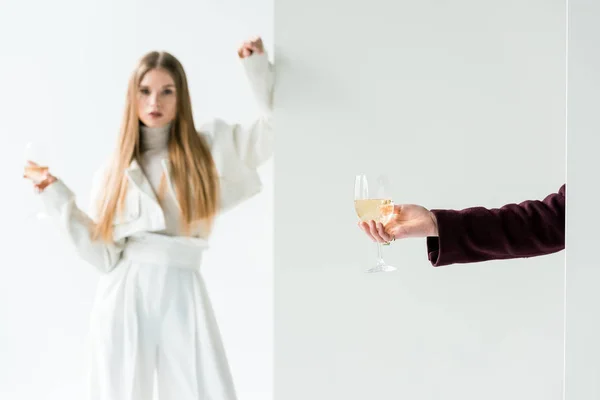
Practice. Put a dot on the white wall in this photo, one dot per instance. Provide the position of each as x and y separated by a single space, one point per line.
582 347
63 75
463 104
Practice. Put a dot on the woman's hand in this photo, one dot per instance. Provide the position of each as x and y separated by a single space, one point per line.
40 176
249 47
408 220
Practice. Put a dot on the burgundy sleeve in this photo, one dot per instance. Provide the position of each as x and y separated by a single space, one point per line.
531 228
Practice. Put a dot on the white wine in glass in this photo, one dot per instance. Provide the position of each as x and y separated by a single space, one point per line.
373 205
374 209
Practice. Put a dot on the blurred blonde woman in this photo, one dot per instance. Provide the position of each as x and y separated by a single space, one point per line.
154 204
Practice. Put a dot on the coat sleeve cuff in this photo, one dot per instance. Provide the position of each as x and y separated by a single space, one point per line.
55 197
260 74
446 248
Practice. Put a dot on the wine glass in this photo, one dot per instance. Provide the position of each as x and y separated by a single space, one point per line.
36 152
374 204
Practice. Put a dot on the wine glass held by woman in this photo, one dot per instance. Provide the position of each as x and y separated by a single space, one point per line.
153 204
528 229
372 201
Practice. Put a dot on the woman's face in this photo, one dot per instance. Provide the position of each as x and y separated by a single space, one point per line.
157 99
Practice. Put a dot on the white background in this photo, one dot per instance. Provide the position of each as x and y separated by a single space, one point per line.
63 74
582 351
462 103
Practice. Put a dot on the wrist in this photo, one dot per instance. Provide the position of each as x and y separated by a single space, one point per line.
434 225
50 179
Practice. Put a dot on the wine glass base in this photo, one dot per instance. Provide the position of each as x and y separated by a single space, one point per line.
381 268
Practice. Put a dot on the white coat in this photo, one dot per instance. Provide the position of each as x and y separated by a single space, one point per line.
152 312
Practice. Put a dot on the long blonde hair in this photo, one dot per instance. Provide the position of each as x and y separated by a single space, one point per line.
193 170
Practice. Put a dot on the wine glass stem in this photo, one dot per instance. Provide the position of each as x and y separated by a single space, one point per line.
379 254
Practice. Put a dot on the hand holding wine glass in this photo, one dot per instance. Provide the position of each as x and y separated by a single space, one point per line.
39 175
373 204
36 168
406 221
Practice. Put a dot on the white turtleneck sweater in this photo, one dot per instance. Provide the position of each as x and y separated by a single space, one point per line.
153 146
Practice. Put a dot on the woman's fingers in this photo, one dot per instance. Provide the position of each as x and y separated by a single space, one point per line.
244 50
365 227
256 43
249 47
257 46
375 232
383 234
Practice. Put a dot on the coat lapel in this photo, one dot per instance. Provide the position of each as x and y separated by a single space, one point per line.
140 181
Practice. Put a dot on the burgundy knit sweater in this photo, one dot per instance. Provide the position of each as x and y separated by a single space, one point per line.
531 228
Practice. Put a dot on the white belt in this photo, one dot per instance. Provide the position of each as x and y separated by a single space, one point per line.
176 251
